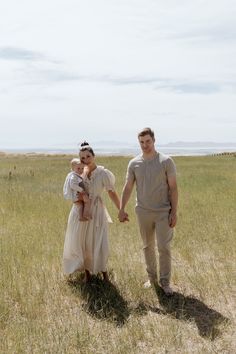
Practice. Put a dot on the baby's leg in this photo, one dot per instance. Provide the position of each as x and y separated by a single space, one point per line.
81 210
87 206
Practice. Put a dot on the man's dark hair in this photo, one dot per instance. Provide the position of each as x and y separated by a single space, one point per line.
147 131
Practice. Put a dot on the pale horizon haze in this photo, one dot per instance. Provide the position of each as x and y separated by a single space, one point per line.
100 70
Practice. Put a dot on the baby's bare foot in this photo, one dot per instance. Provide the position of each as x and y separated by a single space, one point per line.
82 218
87 216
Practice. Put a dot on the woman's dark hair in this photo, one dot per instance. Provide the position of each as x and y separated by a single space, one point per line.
84 146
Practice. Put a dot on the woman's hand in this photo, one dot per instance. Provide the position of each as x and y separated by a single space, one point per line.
123 216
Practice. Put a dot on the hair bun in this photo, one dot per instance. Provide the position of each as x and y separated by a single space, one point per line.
84 143
85 146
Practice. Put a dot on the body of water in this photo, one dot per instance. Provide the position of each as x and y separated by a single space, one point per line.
134 150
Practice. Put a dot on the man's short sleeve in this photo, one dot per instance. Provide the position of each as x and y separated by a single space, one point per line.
130 172
170 167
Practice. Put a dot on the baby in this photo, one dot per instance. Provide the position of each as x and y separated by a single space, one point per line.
74 189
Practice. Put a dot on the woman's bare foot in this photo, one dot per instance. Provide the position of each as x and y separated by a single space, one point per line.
87 277
105 276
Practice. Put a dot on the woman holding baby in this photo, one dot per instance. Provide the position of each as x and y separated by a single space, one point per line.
86 242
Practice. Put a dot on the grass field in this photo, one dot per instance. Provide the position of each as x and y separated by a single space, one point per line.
42 313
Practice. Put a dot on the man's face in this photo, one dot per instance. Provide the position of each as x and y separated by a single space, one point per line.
146 143
79 168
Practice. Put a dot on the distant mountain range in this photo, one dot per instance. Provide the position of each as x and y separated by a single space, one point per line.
193 144
198 144
132 148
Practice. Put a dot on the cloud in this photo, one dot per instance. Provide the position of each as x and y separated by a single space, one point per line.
55 74
214 35
178 86
14 53
193 87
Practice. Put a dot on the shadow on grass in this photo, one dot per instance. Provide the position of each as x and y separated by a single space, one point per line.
187 308
102 300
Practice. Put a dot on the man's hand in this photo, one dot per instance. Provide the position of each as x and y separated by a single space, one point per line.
123 216
172 219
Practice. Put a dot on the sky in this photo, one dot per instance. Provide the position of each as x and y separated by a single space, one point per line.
101 70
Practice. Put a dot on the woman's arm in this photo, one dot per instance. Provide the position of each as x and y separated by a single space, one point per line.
115 198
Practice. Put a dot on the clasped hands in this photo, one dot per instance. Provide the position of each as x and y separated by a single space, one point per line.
123 216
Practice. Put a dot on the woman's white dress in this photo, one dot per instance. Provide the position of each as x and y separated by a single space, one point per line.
86 242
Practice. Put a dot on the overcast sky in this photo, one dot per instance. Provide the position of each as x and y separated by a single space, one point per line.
103 69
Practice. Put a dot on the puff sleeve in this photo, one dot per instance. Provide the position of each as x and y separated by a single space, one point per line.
108 180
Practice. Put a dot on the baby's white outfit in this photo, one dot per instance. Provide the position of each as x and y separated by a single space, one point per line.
72 186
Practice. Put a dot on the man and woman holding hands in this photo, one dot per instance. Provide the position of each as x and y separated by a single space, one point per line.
154 176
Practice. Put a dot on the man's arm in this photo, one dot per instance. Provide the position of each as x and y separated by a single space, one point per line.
126 193
173 200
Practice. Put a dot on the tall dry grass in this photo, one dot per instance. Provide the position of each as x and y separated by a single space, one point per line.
40 312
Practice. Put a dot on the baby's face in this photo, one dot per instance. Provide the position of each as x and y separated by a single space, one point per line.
79 168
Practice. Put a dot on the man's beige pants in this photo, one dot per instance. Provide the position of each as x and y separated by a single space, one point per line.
155 225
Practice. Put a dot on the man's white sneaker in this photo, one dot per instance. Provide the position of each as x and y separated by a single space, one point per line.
149 283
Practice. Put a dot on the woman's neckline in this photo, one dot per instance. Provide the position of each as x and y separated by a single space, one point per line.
91 172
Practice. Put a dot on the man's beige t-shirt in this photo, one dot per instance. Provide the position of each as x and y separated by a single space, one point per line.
150 177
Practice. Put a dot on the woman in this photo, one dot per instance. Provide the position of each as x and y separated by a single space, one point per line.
86 242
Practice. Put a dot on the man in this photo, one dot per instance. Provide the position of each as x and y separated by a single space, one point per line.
156 206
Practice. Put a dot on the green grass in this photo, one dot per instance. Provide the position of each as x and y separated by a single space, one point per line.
40 312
